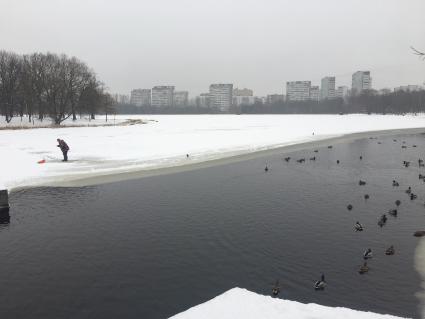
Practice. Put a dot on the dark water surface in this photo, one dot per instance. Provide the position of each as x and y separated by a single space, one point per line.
153 247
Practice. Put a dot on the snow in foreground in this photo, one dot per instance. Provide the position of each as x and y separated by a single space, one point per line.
165 140
241 303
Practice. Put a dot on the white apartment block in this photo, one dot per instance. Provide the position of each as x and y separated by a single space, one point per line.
242 92
409 88
315 93
328 88
140 97
361 81
341 92
221 96
298 90
181 98
162 96
243 100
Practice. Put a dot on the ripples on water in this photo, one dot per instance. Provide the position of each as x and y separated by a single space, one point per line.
153 247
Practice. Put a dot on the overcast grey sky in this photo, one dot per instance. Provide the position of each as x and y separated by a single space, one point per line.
259 44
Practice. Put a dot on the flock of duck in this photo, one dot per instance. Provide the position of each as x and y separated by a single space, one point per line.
358 227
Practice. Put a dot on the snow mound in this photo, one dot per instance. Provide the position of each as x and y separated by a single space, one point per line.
241 303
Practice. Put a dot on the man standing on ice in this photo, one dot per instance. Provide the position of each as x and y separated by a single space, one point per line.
64 148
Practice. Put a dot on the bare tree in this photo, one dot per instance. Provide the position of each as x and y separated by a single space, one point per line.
418 53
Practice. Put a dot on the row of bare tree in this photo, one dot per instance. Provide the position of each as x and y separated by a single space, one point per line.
49 85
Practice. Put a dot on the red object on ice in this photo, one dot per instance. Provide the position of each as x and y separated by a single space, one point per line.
42 161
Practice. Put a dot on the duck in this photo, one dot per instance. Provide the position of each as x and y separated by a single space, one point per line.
408 190
362 182
393 212
330 146
406 163
313 158
366 196
187 155
361 157
414 145
364 269
337 161
316 151
413 196
367 254
287 159
266 169
349 207
276 288
382 220
390 250
320 284
358 227
398 202
395 183
403 146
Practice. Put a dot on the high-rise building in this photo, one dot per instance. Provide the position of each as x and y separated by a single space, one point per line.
140 97
181 98
242 92
314 93
298 90
162 96
275 98
121 98
341 92
243 97
221 96
203 100
328 88
361 81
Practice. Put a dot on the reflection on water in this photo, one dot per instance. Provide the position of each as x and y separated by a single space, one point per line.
154 247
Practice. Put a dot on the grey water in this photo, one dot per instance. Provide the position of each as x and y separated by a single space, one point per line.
153 247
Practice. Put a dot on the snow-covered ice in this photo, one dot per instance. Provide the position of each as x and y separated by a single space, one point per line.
241 303
165 140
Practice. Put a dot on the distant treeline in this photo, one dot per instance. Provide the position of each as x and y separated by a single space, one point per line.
399 102
49 85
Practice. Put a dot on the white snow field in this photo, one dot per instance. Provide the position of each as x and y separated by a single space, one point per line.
241 303
165 140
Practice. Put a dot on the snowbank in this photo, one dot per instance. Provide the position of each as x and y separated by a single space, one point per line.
165 141
241 303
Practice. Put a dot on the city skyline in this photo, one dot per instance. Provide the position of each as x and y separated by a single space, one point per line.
147 43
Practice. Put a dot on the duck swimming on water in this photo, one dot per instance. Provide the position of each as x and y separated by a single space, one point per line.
349 207
382 220
362 182
366 196
276 288
393 212
364 269
390 251
358 227
266 169
398 202
395 183
320 284
367 254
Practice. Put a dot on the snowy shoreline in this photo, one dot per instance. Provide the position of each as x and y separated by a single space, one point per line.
114 153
